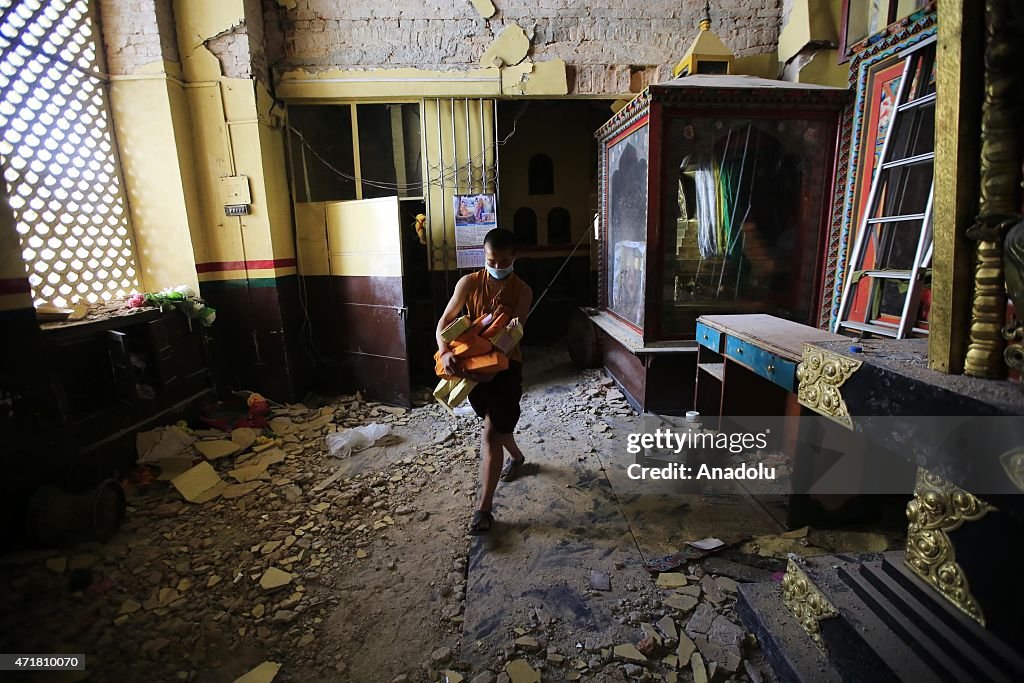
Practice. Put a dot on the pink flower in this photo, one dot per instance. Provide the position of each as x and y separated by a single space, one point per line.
137 300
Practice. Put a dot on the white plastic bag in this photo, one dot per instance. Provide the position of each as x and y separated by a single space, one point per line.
344 443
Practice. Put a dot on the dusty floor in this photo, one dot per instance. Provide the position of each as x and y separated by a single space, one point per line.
383 582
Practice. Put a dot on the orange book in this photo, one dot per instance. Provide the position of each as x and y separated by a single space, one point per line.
489 363
467 346
499 323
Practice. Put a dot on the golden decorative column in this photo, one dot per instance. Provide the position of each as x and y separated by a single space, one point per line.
1000 185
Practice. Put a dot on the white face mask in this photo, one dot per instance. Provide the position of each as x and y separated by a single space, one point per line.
499 273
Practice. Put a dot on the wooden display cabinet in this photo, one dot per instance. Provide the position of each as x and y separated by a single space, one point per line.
715 199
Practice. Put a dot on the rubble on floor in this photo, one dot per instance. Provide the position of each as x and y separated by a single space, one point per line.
267 559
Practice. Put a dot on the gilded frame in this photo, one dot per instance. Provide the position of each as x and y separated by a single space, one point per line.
864 66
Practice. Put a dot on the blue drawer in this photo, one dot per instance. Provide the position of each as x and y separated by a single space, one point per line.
764 363
709 337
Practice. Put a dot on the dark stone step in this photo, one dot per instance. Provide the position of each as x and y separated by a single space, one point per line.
890 626
792 655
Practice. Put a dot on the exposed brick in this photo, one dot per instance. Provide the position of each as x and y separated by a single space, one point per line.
599 39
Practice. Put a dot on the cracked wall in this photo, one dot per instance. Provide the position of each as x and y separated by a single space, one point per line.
137 34
605 43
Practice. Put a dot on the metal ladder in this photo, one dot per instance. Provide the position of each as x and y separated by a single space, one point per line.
889 183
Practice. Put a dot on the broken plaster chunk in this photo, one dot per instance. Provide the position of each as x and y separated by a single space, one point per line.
548 78
274 578
514 77
264 673
193 483
671 580
508 49
212 450
484 7
628 652
520 671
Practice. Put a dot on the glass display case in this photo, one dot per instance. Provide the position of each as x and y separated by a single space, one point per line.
715 195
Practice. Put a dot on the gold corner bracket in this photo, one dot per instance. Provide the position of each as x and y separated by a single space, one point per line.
808 604
938 508
819 376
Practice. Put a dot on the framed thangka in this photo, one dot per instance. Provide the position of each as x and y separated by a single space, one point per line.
875 76
626 178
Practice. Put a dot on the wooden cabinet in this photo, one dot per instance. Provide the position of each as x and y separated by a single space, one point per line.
714 199
113 377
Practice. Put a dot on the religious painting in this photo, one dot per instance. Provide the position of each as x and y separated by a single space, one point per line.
626 175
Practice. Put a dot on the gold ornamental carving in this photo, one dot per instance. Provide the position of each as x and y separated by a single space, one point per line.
938 508
808 604
1000 189
819 376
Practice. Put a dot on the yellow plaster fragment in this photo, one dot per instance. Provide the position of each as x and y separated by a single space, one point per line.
484 7
548 78
508 49
512 78
809 21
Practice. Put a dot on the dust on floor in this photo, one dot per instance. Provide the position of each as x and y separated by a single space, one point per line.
359 568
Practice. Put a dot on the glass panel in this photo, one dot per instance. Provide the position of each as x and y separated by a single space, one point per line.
627 224
322 152
892 246
866 18
389 137
904 8
741 226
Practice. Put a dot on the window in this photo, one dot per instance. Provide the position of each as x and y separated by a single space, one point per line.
559 226
327 141
864 18
541 174
59 158
524 225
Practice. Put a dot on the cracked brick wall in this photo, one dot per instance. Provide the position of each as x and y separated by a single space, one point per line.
137 33
604 42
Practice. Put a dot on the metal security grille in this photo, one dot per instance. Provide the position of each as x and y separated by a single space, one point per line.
58 153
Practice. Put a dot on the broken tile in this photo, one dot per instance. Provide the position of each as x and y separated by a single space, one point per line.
700 674
264 673
671 580
702 618
196 481
520 671
628 652
686 648
214 450
248 473
600 581
668 627
274 578
244 437
680 602
726 584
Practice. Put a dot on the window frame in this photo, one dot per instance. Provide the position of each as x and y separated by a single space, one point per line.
846 47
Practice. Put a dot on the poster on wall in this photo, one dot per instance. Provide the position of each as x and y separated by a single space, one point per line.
475 216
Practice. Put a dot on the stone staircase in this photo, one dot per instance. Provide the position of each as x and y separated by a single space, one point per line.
869 618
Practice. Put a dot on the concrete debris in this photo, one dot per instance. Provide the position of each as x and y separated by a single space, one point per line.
264 673
520 671
600 581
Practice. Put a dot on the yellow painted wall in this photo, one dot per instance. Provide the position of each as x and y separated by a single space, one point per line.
148 143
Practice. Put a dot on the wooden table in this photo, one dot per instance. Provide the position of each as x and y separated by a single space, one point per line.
746 364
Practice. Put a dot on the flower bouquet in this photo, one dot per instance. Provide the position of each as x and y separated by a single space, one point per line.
182 298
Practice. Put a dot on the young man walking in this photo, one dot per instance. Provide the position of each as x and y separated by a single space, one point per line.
496 397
